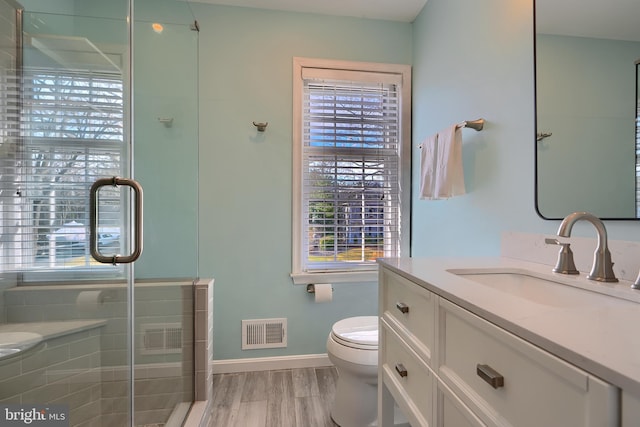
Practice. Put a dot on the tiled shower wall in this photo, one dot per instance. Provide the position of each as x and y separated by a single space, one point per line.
203 339
155 303
64 370
164 380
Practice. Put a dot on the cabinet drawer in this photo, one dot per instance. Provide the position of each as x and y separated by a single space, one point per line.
407 377
410 310
537 389
452 412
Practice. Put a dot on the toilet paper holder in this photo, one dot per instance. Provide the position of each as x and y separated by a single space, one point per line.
322 292
311 288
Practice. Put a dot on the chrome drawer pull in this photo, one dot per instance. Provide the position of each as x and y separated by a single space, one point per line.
402 371
488 374
404 308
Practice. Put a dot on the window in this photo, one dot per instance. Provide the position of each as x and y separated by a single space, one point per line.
351 168
71 133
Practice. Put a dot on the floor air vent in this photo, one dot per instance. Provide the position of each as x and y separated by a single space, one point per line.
264 333
161 338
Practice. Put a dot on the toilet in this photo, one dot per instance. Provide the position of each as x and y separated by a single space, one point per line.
352 347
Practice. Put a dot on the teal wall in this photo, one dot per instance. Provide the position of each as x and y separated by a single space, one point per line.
586 98
480 64
58 7
166 157
470 65
465 66
245 177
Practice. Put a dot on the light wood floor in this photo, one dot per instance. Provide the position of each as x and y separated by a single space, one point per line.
286 398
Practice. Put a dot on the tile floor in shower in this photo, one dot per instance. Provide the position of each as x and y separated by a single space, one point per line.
283 398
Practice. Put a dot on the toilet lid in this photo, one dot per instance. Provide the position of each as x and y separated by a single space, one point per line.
362 330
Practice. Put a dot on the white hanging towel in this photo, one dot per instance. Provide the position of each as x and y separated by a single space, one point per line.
441 172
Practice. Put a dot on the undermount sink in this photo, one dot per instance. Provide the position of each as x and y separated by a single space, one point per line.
531 287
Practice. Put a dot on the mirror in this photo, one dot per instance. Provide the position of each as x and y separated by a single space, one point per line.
587 106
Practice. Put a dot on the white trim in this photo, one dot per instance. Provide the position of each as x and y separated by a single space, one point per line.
334 64
335 277
228 366
320 74
402 71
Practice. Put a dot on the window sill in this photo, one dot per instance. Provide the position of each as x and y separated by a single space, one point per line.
335 277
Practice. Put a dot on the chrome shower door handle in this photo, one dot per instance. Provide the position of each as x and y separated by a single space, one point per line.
137 220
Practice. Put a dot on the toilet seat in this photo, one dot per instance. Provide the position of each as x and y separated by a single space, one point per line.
357 332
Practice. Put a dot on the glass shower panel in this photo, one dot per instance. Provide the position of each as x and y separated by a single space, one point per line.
69 315
166 146
165 161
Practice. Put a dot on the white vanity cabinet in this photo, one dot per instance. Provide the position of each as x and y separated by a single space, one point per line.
507 381
445 366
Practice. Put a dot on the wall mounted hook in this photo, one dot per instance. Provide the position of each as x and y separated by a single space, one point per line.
167 121
542 135
261 126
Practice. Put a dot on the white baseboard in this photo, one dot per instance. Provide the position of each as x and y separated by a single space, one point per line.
270 363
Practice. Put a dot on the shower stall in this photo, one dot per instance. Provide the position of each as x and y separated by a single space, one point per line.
93 90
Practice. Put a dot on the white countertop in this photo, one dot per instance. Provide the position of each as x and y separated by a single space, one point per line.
598 333
53 329
22 337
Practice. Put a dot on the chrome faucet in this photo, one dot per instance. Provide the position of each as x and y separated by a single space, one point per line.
602 269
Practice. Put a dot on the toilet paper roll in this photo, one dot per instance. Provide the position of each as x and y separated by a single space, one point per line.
89 300
323 292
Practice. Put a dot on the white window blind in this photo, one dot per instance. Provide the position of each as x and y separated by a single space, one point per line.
351 167
71 132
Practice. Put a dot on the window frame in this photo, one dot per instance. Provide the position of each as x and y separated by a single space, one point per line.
356 274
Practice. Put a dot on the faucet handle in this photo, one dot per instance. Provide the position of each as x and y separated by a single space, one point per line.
565 264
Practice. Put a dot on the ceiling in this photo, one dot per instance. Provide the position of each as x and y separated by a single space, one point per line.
612 19
392 10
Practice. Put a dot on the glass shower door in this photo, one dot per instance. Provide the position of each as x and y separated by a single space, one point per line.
114 342
64 126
